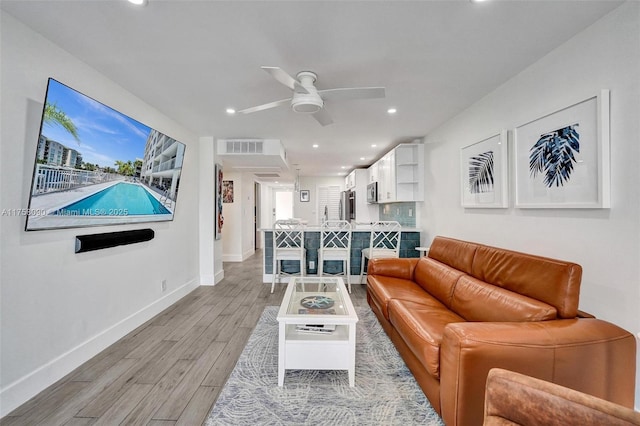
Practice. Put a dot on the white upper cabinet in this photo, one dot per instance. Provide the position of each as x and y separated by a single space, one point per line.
373 172
386 178
400 174
350 180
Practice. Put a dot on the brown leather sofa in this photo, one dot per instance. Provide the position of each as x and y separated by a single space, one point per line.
467 308
515 399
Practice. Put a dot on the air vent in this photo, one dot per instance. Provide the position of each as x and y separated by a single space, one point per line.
252 155
267 175
244 146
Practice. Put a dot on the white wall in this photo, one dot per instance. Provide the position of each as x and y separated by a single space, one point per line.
238 231
209 273
232 229
309 210
605 242
248 217
210 253
59 308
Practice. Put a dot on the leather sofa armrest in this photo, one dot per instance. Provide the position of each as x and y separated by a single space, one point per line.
393 267
513 398
588 355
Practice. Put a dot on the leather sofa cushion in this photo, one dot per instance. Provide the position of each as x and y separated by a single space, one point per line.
421 328
456 253
437 278
383 289
553 281
475 300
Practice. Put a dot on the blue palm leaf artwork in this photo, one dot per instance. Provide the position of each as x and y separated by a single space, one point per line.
553 155
481 173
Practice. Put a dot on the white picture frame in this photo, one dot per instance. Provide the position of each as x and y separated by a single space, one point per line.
484 174
561 160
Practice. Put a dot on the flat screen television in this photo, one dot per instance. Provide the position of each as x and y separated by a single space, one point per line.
95 166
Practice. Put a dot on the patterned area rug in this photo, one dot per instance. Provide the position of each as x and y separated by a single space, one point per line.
385 393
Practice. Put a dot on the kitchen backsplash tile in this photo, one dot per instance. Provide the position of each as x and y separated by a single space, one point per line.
404 213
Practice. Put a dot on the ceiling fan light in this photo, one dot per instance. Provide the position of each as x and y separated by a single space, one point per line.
306 108
306 103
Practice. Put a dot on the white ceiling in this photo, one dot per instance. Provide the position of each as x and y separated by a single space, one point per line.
193 59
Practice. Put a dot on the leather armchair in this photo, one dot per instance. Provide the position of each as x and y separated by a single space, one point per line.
516 399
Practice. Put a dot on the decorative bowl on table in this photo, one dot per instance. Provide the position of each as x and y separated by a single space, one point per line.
317 302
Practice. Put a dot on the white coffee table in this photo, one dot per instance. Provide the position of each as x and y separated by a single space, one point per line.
300 350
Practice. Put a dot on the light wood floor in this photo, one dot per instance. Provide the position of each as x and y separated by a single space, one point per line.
169 370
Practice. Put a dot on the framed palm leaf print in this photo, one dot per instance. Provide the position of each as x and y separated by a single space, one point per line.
484 174
562 159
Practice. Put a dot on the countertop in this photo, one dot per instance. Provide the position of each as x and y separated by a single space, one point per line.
357 227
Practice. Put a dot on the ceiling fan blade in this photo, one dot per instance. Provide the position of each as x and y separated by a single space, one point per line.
265 106
323 117
286 79
348 93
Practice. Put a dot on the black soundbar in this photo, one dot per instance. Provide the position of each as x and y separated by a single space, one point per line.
112 239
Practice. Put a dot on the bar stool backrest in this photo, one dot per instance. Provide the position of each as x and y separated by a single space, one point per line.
288 234
385 236
335 234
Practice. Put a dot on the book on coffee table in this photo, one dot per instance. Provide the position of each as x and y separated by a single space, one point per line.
316 311
316 328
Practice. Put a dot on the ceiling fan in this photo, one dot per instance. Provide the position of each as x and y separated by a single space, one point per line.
307 99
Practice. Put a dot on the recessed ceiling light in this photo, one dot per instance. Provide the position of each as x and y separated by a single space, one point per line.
392 111
373 145
138 2
343 167
231 111
362 158
315 145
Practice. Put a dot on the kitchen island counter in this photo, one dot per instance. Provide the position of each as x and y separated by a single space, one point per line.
360 236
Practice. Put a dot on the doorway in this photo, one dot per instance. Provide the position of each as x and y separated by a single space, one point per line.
282 204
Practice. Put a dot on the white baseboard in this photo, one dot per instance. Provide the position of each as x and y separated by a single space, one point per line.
247 254
207 280
232 258
25 388
219 276
238 257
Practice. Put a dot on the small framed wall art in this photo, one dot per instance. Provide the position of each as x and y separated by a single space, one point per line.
562 159
218 201
304 196
227 191
484 173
